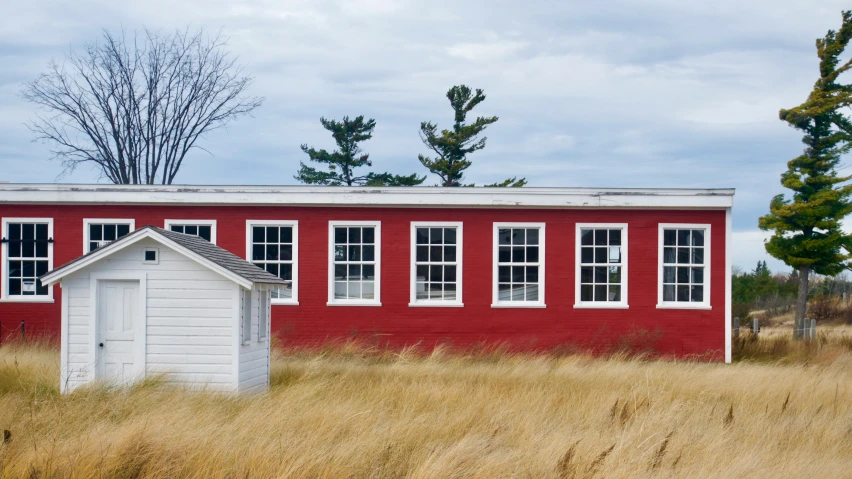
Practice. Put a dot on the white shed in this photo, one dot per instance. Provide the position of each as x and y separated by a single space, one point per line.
160 302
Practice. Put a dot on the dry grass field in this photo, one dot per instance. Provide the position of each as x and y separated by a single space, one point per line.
347 412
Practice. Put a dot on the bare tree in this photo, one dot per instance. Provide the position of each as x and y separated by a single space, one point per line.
133 107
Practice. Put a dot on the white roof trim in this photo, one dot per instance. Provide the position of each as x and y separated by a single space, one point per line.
53 277
671 198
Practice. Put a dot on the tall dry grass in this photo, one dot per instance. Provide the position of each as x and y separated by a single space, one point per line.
349 412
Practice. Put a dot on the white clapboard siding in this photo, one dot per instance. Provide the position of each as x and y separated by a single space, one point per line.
254 354
77 362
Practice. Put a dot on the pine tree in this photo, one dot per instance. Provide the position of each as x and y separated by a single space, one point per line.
807 232
342 162
452 147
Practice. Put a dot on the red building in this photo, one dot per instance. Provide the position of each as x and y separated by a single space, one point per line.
534 268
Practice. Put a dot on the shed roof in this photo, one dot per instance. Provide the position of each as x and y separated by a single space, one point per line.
198 247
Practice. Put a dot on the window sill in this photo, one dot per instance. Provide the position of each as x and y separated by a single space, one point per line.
445 304
353 303
25 300
601 306
684 306
284 302
519 304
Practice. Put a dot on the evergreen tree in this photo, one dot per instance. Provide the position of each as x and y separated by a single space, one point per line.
451 147
349 156
807 231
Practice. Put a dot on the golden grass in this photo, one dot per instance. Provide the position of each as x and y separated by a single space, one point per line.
349 412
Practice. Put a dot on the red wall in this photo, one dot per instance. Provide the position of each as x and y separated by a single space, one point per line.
678 332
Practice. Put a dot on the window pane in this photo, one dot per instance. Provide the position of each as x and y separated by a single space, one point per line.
615 254
698 275
450 291
206 232
683 237
600 255
272 234
28 249
517 274
586 292
272 252
354 271
14 231
422 253
587 237
532 274
532 236
436 273
95 232
683 255
698 293
449 236
697 237
422 273
340 253
340 289
532 254
504 274
615 293
257 234
422 235
286 234
586 274
504 254
286 252
436 253
368 235
286 272
668 255
600 292
354 253
449 253
257 252
532 292
668 292
110 232
600 274
436 235
615 274
587 255
615 237
669 274
697 255
15 248
669 237
518 255
339 235
354 235
369 252
41 231
190 230
123 230
601 237
421 292
272 268
519 236
368 290
450 273
41 249
340 271
504 236
682 274
504 292
28 231
683 293
14 286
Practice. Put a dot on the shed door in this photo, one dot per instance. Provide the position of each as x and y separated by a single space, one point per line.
117 316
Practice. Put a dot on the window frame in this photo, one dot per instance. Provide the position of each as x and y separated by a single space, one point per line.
167 224
4 263
707 273
377 301
246 315
156 259
101 221
294 300
495 247
413 301
578 303
264 313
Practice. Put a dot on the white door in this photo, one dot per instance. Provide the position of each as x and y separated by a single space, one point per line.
117 316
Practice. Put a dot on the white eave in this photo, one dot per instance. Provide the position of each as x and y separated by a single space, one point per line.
424 196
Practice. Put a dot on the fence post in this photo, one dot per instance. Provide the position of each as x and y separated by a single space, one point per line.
813 329
736 327
755 326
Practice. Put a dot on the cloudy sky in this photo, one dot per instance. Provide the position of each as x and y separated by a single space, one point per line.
652 93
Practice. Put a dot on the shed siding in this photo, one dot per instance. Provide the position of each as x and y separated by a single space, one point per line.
189 310
254 354
674 331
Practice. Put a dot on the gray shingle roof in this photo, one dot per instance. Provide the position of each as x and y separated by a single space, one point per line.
203 248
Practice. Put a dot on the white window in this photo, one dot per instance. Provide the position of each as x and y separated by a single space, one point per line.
354 263
518 265
151 256
273 245
601 270
27 254
263 314
247 306
684 273
101 232
436 264
203 228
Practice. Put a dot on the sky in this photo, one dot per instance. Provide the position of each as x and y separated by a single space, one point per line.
622 93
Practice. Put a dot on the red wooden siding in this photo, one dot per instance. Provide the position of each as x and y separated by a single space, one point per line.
672 331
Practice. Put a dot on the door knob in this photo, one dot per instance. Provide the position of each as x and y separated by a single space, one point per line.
101 345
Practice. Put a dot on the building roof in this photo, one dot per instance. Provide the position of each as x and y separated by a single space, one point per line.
364 196
197 247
